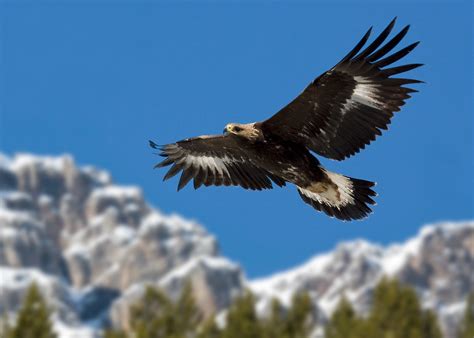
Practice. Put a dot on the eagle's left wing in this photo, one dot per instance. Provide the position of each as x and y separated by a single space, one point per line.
215 160
345 108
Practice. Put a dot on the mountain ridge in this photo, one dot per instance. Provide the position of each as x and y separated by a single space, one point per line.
95 245
370 263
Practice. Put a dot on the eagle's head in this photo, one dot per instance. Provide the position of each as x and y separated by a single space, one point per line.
247 131
234 128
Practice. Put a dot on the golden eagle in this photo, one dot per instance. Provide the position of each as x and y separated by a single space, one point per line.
336 116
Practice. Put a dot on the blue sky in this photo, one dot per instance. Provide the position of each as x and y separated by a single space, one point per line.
98 79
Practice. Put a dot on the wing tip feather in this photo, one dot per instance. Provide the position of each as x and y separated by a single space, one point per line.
153 144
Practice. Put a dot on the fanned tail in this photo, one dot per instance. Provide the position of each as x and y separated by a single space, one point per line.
339 196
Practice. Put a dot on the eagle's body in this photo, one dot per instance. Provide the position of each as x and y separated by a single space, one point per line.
338 114
285 159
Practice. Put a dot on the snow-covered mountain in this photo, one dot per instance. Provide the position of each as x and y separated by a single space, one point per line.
93 246
438 262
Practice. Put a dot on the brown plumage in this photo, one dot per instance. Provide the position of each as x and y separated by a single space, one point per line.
336 116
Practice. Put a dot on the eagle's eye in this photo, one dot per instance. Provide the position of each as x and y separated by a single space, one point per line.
237 129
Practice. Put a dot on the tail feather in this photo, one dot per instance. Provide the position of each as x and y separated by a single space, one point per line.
339 196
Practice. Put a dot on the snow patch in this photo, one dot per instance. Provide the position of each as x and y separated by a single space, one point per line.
123 235
397 255
173 223
182 271
49 163
453 309
102 177
73 331
118 192
8 232
283 285
15 217
45 200
20 278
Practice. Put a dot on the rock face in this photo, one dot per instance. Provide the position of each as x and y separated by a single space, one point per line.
115 254
215 282
24 241
15 282
94 247
438 263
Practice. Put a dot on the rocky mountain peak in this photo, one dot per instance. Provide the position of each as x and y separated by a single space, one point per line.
93 242
94 246
438 262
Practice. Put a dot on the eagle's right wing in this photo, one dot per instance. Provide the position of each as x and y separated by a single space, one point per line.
215 160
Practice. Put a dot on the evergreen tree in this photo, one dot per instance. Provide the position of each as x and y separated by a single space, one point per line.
467 324
188 316
298 318
111 333
33 319
148 316
242 321
430 326
395 313
295 322
274 325
5 326
209 329
344 322
156 316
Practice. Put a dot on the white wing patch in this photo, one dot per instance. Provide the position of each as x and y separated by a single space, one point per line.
219 161
336 193
215 164
365 93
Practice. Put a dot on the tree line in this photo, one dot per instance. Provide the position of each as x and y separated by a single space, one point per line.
395 313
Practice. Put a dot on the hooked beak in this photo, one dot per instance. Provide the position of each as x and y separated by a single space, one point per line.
225 130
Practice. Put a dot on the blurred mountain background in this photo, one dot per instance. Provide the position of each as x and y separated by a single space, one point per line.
93 248
97 79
